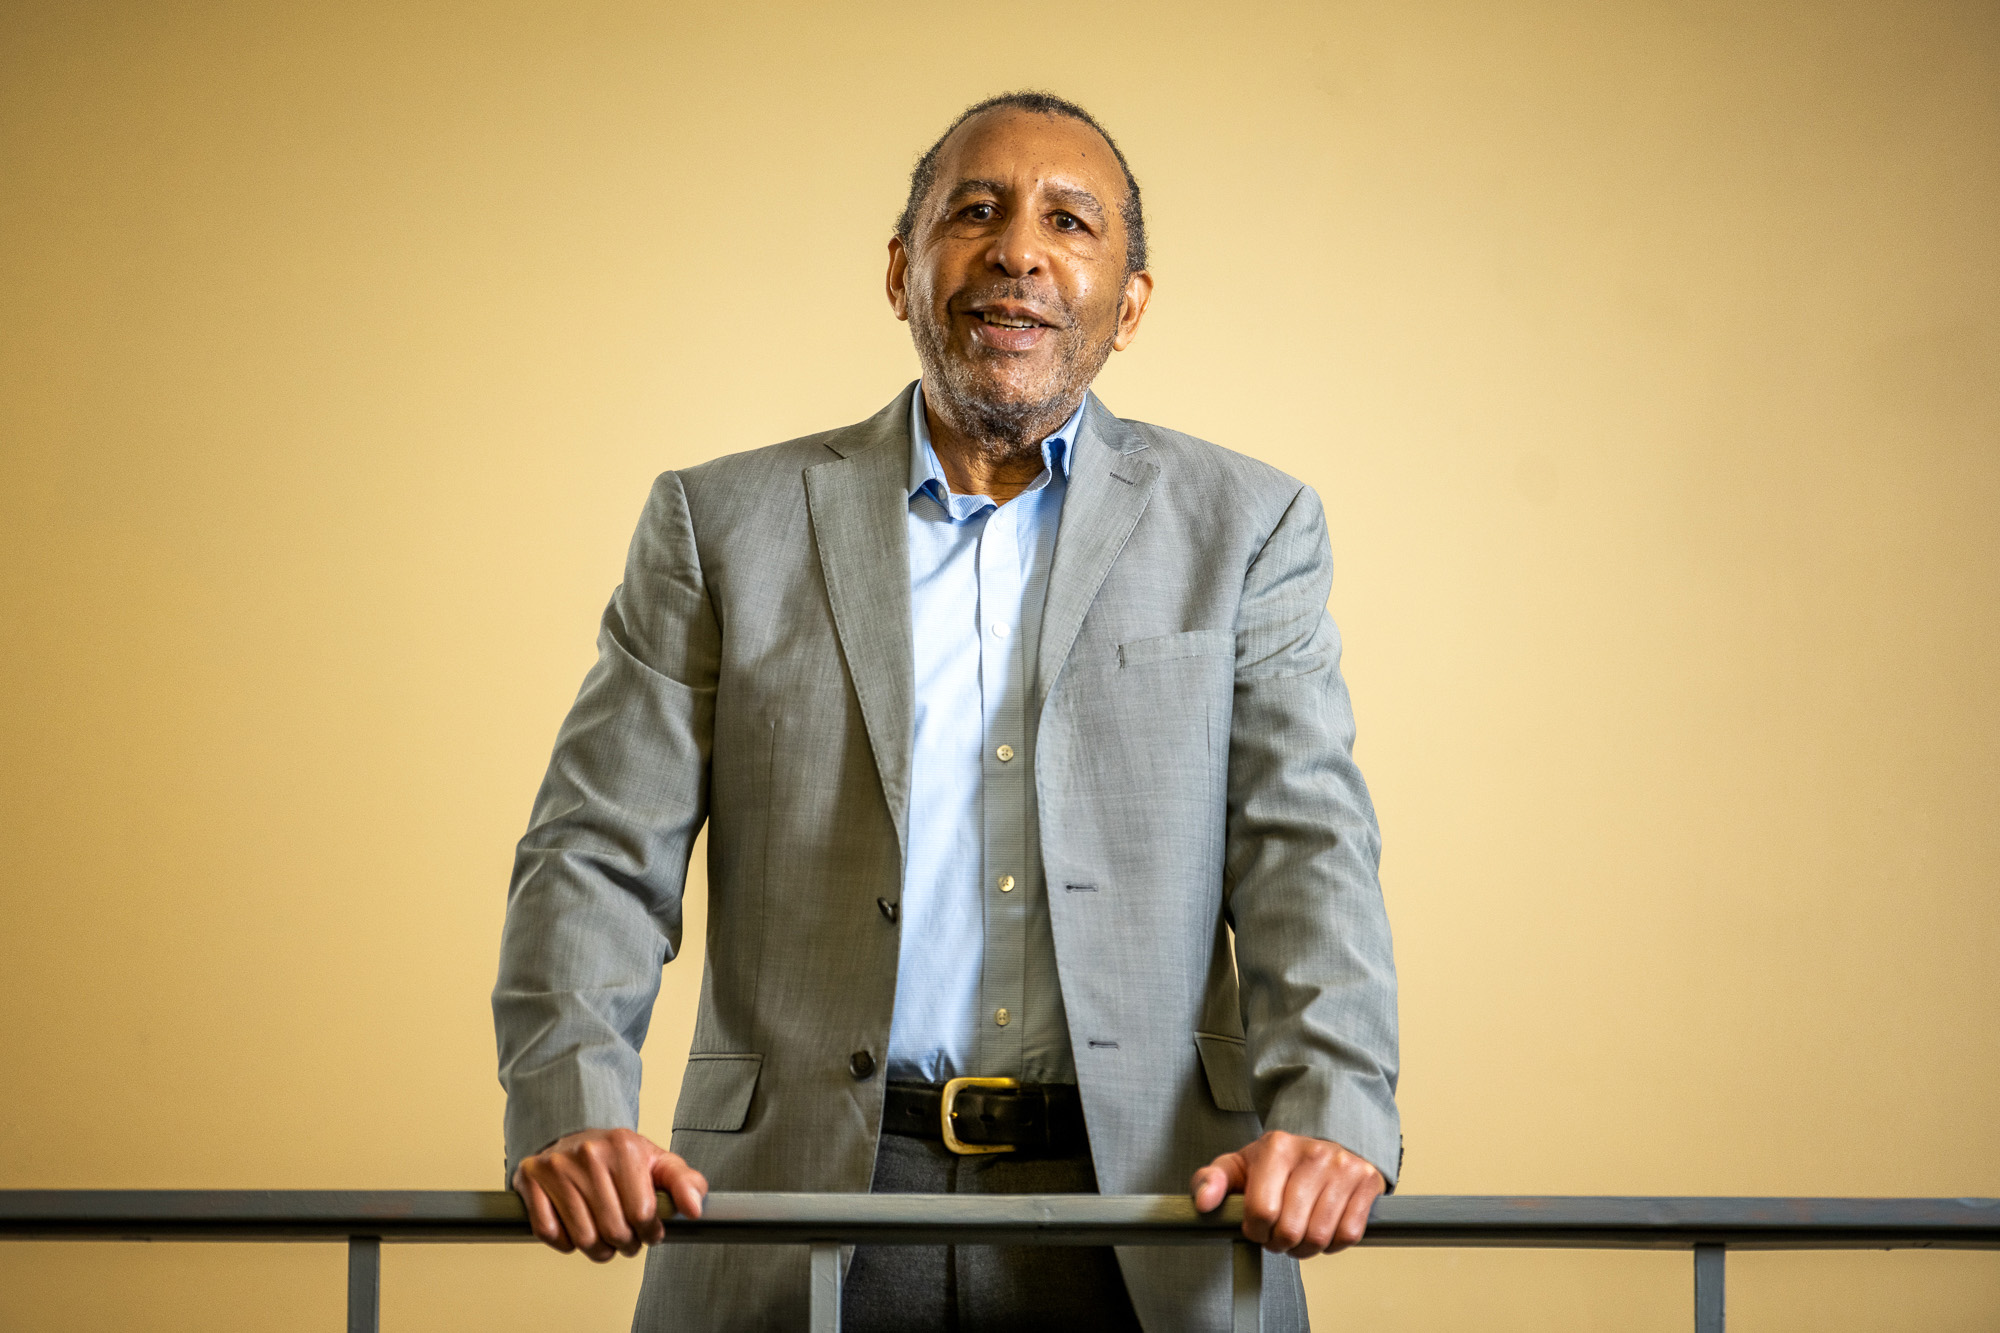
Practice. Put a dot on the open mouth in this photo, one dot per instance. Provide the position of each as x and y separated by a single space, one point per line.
998 321
1005 327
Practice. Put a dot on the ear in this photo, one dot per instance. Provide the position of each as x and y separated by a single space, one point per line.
1132 308
899 270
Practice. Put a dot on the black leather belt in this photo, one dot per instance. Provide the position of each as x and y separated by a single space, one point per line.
986 1115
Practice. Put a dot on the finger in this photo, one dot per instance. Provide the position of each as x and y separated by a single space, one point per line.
574 1210
631 1173
1264 1192
542 1219
1216 1181
1299 1197
684 1185
1353 1223
606 1206
1326 1216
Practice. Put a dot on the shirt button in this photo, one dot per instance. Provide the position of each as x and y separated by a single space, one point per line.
1000 630
999 1016
1006 884
1004 753
861 1064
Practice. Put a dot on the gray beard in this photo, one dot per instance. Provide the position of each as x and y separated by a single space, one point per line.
1003 431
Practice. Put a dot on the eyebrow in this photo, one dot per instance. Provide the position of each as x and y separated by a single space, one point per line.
1071 197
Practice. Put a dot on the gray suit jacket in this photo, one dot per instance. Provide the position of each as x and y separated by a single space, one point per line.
1193 773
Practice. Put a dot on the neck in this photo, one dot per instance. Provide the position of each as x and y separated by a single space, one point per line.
978 464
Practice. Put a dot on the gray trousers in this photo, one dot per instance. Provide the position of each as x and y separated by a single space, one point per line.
974 1288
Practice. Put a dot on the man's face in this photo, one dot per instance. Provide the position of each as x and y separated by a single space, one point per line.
1014 283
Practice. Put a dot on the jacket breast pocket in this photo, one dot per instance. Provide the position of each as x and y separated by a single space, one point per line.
1227 1067
716 1092
1169 647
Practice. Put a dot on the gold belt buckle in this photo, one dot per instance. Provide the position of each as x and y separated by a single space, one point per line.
946 1114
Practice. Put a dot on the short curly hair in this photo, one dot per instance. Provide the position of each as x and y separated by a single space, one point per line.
924 175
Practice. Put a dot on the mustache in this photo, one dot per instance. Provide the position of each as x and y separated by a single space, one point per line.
1046 302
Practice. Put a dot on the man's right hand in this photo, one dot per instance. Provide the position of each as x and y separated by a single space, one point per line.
597 1190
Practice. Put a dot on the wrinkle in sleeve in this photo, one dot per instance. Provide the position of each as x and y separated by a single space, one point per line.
1313 951
594 908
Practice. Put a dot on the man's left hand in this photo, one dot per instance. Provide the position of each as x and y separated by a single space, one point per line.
1301 1196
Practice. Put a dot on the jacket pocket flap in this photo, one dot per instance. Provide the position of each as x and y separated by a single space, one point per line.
1228 1068
716 1091
1167 647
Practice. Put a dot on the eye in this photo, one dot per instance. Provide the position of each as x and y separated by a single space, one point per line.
979 213
1066 222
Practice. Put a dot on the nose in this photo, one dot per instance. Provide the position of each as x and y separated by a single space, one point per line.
1017 248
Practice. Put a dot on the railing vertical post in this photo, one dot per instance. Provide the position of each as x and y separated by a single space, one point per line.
364 1284
1246 1303
824 1309
1710 1306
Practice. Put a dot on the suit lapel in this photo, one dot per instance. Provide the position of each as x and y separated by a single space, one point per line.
1110 482
859 504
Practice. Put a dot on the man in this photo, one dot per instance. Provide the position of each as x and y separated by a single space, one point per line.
1003 712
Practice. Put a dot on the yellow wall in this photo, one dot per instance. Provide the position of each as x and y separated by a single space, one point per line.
1646 356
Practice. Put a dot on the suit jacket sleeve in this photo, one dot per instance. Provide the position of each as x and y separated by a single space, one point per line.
595 905
1318 981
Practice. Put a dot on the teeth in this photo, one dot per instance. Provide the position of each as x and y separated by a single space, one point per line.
1006 323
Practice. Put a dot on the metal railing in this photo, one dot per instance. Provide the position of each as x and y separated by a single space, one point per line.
364 1219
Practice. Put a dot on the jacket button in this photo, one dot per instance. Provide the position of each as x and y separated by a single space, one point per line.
861 1064
888 908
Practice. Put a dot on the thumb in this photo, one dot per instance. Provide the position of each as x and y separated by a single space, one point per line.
682 1183
1219 1179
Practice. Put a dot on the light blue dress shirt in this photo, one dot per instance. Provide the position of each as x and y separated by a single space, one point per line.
976 986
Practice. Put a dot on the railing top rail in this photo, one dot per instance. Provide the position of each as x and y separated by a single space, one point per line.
1442 1220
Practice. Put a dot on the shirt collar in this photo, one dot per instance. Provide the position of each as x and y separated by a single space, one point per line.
925 468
